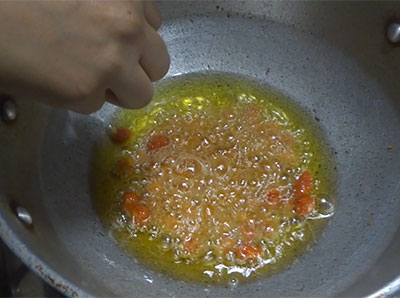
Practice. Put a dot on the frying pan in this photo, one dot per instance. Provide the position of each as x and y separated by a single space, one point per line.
332 58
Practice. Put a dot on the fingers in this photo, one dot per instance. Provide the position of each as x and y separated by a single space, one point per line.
94 103
89 105
145 60
111 97
130 89
155 59
152 14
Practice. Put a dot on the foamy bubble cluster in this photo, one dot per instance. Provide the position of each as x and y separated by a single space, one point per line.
221 190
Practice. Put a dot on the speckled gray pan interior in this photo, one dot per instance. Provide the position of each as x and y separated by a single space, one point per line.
330 57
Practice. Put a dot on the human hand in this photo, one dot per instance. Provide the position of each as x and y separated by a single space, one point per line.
77 54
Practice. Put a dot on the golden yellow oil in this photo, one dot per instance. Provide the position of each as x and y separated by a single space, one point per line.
188 93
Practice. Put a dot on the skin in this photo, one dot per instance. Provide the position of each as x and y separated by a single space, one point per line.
78 54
